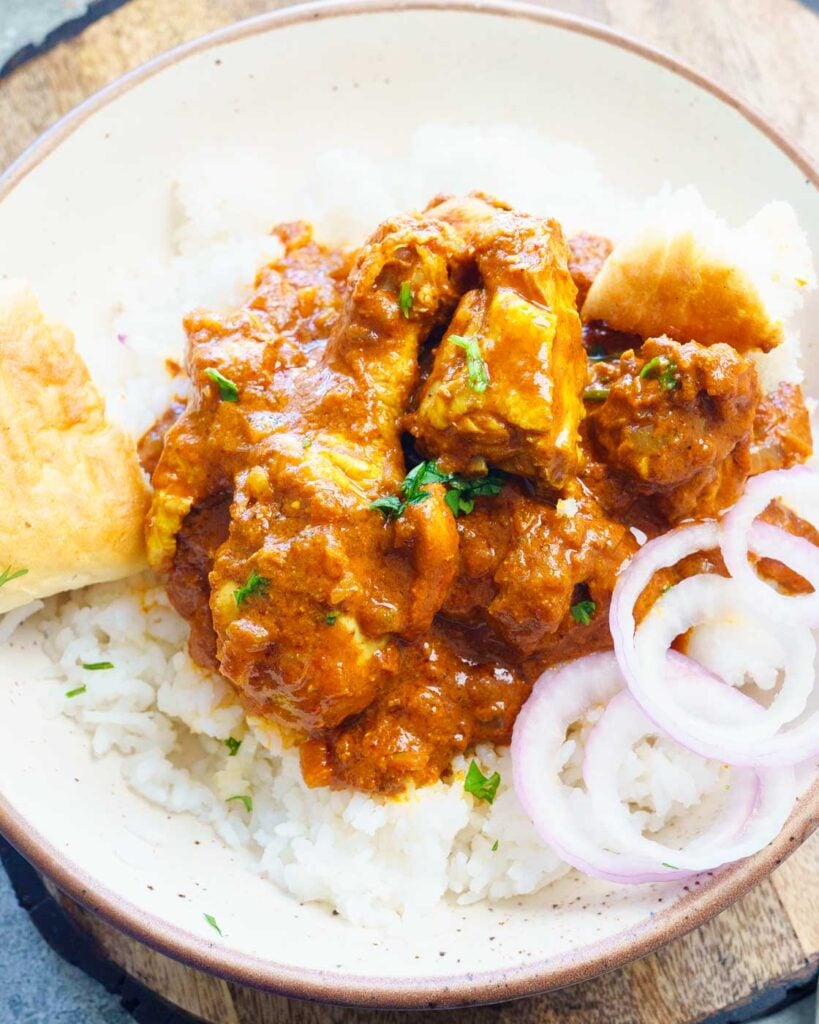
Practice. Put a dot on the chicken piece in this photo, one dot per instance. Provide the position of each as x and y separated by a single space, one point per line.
446 698
587 254
311 585
505 383
523 564
675 422
782 435
296 302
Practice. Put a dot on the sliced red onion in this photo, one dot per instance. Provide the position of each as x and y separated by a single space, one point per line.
707 718
564 816
753 815
707 598
799 489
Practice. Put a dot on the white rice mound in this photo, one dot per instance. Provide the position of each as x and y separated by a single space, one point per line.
373 860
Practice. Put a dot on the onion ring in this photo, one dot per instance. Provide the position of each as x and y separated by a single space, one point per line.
707 719
759 807
739 534
559 698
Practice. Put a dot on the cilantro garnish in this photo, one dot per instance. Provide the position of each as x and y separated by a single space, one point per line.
212 922
583 611
476 369
97 666
256 584
599 355
595 393
7 575
663 370
330 617
232 745
77 691
494 846
481 786
412 490
460 495
672 866
246 800
405 299
228 392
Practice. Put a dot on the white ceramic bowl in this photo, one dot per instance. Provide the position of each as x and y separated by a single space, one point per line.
90 200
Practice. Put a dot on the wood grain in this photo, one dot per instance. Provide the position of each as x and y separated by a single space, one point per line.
767 939
765 52
762 50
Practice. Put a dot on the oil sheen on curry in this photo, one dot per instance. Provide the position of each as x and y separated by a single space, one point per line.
405 478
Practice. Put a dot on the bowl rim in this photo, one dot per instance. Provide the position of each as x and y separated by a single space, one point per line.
437 991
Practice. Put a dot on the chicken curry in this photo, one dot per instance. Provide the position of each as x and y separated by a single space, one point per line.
406 477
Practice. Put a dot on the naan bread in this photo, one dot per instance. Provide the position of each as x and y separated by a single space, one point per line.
74 497
686 274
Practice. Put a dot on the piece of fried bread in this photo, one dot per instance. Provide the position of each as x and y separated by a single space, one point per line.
686 274
74 496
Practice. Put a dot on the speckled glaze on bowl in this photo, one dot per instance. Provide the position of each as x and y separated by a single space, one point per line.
91 197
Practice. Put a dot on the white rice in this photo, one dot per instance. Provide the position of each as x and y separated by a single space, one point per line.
166 720
372 859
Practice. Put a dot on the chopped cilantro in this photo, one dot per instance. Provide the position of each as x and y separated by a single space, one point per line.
583 611
476 369
672 866
256 584
412 490
97 666
228 392
599 355
494 846
246 800
330 617
481 786
307 442
595 393
460 495
233 746
8 574
212 922
405 299
663 370
77 691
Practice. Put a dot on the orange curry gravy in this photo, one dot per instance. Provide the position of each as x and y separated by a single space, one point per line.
385 640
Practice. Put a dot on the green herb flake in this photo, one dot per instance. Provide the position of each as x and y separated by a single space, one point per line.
412 490
246 800
599 355
583 611
307 442
460 495
212 922
76 691
481 786
405 299
673 867
595 393
232 745
494 846
97 666
228 392
476 369
9 574
331 617
256 586
663 370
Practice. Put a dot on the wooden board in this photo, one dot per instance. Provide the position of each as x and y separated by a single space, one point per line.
765 52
